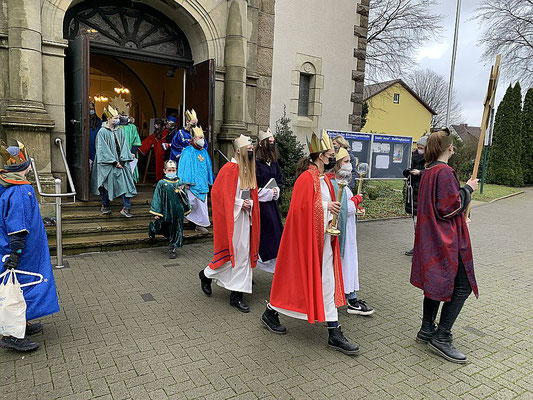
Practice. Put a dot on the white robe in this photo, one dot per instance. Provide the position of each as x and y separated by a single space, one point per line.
328 274
199 214
350 265
238 278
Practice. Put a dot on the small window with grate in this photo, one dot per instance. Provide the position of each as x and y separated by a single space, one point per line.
303 94
396 99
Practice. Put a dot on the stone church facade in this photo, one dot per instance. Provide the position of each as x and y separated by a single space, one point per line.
37 68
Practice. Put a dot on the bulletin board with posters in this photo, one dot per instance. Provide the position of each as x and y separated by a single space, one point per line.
360 143
390 155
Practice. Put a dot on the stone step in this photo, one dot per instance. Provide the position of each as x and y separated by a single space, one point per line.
103 227
78 244
94 215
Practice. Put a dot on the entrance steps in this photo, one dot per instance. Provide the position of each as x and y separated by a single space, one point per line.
86 230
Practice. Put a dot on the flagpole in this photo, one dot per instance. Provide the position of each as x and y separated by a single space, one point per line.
452 68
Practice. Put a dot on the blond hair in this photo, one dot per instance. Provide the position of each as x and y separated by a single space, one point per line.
246 168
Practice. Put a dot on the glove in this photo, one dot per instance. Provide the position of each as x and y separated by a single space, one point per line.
357 200
12 262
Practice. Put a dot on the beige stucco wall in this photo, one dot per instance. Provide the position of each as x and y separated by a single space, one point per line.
321 33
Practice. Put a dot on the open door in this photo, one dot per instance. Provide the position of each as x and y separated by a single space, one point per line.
200 95
77 113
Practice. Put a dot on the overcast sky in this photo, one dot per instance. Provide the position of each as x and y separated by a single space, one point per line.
471 74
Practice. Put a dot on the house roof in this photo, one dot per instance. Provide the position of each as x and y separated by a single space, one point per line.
466 132
376 88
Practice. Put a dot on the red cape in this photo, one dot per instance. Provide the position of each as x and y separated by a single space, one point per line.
223 203
297 284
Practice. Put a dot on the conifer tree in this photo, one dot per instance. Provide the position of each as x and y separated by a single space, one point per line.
504 155
527 138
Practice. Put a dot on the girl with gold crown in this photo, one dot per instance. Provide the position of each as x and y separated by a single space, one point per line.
236 226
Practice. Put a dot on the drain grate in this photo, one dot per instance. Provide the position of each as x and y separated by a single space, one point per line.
147 297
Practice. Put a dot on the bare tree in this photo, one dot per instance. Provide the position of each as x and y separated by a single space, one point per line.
433 89
508 29
396 29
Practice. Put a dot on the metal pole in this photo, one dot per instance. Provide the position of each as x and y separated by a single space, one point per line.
59 232
454 54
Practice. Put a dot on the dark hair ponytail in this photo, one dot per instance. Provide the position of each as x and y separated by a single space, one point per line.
304 163
438 143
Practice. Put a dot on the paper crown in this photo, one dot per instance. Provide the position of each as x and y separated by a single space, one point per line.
341 154
265 135
197 131
321 143
14 153
170 164
121 105
190 115
241 141
110 112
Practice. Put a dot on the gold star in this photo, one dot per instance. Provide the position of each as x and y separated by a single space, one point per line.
200 158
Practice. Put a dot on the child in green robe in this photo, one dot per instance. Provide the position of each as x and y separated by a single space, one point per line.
169 206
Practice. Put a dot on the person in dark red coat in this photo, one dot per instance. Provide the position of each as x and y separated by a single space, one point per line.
442 261
155 141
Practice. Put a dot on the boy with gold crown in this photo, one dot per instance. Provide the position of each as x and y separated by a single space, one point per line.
111 175
308 282
23 240
183 137
236 226
196 171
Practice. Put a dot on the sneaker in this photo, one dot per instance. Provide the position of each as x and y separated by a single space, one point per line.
201 229
173 253
32 329
359 307
106 210
126 213
409 252
10 342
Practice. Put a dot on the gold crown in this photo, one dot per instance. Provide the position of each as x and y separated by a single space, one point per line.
189 116
341 154
121 105
14 153
110 112
319 144
241 141
197 131
265 135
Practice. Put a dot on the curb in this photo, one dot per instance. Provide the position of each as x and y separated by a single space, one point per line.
507 196
383 219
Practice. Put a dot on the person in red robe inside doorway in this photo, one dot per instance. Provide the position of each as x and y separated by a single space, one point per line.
308 281
156 140
236 226
443 266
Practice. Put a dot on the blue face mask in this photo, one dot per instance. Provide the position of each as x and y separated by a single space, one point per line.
91 112
171 176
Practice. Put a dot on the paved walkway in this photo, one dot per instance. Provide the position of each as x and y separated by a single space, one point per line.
133 324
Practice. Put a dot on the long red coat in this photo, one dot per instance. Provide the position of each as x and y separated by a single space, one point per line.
297 284
159 153
441 235
223 203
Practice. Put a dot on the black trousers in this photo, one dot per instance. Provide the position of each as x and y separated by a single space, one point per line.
450 309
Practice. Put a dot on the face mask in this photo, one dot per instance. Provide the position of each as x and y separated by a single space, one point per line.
346 167
271 145
124 120
200 142
250 154
171 175
331 163
420 151
91 112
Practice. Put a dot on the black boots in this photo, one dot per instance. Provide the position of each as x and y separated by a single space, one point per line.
338 342
10 342
205 283
235 300
271 320
441 343
425 333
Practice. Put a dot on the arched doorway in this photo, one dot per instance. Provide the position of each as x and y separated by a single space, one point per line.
128 45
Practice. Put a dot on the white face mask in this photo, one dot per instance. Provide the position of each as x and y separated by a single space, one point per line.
200 142
347 167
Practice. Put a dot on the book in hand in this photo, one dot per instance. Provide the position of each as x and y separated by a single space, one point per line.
245 194
271 184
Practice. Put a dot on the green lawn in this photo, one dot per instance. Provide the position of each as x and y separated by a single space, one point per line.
492 192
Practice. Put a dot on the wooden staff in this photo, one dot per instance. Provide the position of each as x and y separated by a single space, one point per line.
488 106
147 166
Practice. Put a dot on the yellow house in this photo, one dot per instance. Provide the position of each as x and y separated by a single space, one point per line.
394 109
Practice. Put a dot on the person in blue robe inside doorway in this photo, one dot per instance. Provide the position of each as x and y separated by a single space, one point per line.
183 137
23 240
196 170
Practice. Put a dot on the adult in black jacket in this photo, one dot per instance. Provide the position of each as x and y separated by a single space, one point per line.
413 176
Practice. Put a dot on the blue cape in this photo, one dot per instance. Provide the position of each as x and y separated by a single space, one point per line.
195 167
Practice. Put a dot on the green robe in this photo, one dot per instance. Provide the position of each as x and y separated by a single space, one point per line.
133 140
117 181
171 204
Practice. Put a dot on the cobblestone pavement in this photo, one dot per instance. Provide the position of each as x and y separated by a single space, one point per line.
134 324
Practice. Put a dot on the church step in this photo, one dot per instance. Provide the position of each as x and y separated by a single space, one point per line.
92 228
119 241
93 214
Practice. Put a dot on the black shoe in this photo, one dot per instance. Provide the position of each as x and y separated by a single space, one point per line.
235 300
10 342
441 343
425 334
151 235
34 328
359 307
173 253
271 320
338 342
409 252
206 283
106 210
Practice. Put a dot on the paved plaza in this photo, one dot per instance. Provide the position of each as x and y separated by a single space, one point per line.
135 324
